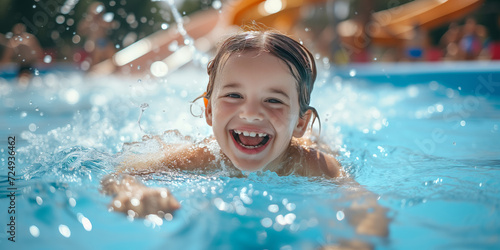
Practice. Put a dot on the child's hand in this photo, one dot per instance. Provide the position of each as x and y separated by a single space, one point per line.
369 218
143 201
133 198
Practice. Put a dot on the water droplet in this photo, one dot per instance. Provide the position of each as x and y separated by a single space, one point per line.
290 218
266 222
34 231
462 123
164 26
32 127
39 200
47 59
188 41
86 224
108 17
173 46
340 215
72 202
135 202
64 230
117 203
216 4
290 206
273 208
352 72
281 219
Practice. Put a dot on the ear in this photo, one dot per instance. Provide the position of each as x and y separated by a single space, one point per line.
208 112
302 123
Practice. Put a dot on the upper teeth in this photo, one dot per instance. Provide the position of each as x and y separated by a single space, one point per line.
251 134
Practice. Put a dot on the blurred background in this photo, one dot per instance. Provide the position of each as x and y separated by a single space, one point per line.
93 36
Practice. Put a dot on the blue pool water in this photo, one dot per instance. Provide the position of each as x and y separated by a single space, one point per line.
423 137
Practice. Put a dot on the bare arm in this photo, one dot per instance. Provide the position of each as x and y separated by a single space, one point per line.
365 214
131 196
185 156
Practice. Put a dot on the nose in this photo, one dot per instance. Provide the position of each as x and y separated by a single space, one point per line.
251 111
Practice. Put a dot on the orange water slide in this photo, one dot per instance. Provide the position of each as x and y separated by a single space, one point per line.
388 27
278 14
393 26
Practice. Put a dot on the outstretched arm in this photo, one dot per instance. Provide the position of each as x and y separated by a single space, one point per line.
365 214
130 195
184 155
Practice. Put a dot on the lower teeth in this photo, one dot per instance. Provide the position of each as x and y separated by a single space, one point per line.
250 147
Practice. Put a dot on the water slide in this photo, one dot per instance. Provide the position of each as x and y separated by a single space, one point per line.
164 50
393 26
389 27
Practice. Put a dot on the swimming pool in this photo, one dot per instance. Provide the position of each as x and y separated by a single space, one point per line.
424 137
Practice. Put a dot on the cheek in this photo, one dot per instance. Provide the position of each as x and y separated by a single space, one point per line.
283 118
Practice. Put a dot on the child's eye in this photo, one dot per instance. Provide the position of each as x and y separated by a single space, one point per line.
272 100
233 95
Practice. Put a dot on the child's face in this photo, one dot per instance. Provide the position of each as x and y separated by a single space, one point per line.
254 110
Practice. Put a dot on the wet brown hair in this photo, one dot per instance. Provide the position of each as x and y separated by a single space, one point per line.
298 58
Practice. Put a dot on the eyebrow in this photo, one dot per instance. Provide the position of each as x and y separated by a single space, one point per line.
280 92
231 85
272 90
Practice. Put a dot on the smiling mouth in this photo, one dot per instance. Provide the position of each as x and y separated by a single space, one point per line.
250 140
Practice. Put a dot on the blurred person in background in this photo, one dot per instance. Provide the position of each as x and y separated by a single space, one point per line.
449 41
24 50
415 48
470 44
96 27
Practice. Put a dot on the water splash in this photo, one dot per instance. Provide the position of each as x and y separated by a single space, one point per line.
143 107
196 55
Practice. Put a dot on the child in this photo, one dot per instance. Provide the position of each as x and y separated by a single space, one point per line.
257 102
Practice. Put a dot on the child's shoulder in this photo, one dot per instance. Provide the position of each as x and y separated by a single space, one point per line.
313 159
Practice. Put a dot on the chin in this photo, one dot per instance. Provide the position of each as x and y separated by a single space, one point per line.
246 166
